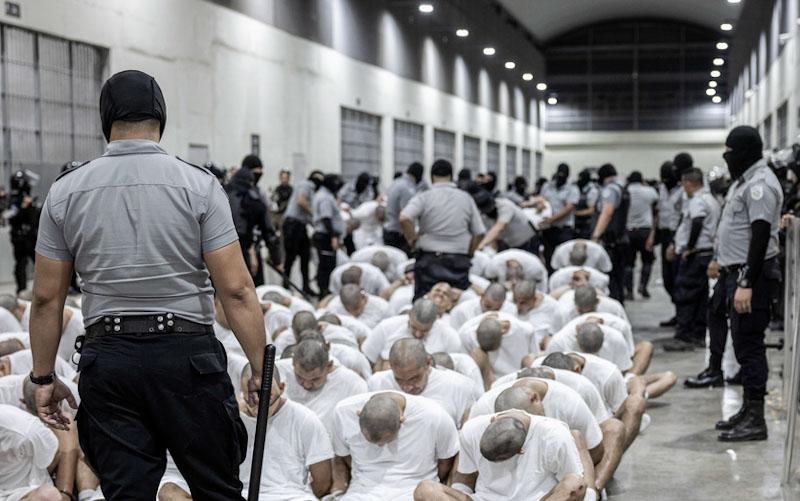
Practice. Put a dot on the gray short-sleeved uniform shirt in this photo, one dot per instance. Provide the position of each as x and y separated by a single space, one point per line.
640 212
756 196
324 206
610 194
669 207
590 193
447 218
293 209
559 198
518 228
400 192
702 204
136 223
351 197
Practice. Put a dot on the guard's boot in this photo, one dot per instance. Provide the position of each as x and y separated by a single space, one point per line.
708 377
731 422
752 427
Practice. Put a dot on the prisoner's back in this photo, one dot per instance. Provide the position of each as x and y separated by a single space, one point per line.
136 223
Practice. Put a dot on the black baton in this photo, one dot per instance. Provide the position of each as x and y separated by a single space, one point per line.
261 423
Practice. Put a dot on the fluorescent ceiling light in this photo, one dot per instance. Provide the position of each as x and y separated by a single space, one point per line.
726 26
716 99
462 32
541 86
552 101
488 51
712 84
527 77
710 92
722 45
716 74
734 1
719 61
425 8
510 65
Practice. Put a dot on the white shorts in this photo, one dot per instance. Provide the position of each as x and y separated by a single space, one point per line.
178 480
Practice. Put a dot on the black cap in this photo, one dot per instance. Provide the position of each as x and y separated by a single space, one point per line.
131 96
416 170
606 171
251 162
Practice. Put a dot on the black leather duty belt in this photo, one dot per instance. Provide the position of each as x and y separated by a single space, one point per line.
160 323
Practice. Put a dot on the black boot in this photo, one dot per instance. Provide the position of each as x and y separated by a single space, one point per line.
672 322
735 380
752 427
708 377
734 420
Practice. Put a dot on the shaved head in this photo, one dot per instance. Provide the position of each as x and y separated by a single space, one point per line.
503 439
304 320
442 359
408 352
590 337
514 397
310 355
559 361
311 334
585 299
489 334
381 260
424 311
579 254
352 275
540 372
380 419
514 271
351 297
494 297
524 290
275 297
330 318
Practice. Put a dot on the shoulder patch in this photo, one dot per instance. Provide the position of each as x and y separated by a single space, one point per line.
757 192
72 169
195 166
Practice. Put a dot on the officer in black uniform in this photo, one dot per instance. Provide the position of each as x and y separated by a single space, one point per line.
23 221
147 233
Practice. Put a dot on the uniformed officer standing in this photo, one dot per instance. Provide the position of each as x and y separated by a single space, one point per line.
264 229
563 198
748 259
145 231
641 232
670 195
329 228
585 210
450 228
295 237
507 223
612 207
693 250
398 195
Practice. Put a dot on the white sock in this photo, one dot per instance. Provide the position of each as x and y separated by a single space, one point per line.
86 494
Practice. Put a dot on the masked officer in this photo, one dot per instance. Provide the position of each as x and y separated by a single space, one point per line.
563 198
148 233
263 230
295 237
450 229
23 219
329 228
585 210
400 192
612 209
641 232
670 195
748 259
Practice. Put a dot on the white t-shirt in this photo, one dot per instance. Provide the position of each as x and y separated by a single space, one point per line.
370 231
375 310
402 299
276 317
560 402
22 364
70 332
331 332
373 281
453 391
532 267
341 383
563 276
352 359
605 304
585 388
22 337
596 256
27 447
297 304
607 378
9 323
356 326
546 319
441 337
615 348
465 365
228 340
296 439
480 260
517 342
397 258
392 472
549 454
609 320
471 308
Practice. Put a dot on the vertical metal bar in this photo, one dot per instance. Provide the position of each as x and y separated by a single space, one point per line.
6 128
38 100
793 246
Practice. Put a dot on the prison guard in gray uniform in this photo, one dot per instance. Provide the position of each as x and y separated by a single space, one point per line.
518 230
326 211
295 236
400 192
639 227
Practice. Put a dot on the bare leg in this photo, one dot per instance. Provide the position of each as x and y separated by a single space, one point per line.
613 443
85 479
171 492
482 360
642 354
43 493
586 457
630 413
572 488
428 490
659 383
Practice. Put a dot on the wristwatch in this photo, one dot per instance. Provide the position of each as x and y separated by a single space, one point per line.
743 281
43 380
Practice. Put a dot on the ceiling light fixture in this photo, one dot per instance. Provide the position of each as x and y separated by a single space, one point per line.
462 33
552 101
710 92
726 26
712 84
425 8
734 1
510 65
716 74
722 45
718 61
488 51
716 99
541 86
527 77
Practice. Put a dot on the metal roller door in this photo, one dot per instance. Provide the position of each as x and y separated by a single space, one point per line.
409 144
361 143
492 157
511 163
444 145
472 154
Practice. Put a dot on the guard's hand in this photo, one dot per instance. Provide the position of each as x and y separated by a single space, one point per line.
713 270
649 243
742 301
253 389
335 243
786 220
48 404
671 253
686 254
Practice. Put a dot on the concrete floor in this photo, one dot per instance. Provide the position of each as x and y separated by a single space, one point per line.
679 457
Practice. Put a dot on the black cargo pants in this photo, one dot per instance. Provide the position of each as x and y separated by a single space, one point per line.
142 395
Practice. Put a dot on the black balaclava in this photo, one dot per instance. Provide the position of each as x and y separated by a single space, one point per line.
520 186
562 175
416 170
668 175
316 177
131 96
682 162
362 182
485 203
584 178
251 162
333 182
635 177
242 181
746 149
491 182
604 172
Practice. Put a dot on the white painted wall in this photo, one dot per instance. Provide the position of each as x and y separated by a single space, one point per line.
628 151
226 76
